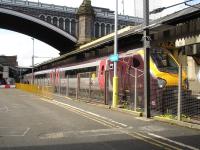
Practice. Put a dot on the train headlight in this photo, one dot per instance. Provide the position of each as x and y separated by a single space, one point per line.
161 82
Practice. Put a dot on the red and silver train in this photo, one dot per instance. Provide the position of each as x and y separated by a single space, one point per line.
163 70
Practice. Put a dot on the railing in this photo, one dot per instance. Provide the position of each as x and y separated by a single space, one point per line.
67 9
39 5
43 91
120 17
178 102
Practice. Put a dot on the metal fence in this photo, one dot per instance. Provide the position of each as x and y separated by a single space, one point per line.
83 86
175 101
179 102
40 90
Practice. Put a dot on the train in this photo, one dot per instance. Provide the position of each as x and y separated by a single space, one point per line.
130 71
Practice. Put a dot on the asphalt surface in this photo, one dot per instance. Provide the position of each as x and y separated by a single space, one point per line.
28 122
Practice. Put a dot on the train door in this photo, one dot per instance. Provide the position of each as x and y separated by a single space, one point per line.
52 77
101 73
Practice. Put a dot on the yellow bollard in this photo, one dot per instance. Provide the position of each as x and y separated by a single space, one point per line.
115 101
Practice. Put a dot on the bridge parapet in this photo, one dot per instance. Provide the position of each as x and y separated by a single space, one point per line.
39 5
105 14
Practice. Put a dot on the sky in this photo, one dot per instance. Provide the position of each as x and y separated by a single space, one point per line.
13 43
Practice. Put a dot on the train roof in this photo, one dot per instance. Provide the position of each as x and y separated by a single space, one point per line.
85 65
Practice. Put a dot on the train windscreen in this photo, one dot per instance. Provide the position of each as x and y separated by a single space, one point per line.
165 62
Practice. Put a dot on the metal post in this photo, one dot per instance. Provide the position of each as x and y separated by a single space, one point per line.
146 41
33 63
90 84
115 77
77 86
20 72
123 6
135 98
106 88
59 82
179 92
134 8
67 86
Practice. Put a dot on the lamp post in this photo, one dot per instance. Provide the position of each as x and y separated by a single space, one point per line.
33 63
115 77
146 42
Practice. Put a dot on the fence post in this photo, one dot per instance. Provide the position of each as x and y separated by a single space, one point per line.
106 88
67 86
179 92
135 98
90 84
77 85
59 83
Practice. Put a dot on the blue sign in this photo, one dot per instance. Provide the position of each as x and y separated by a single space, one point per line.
114 57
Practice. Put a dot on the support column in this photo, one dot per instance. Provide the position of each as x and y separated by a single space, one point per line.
146 41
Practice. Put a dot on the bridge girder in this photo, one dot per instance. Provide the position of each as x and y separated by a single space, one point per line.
38 29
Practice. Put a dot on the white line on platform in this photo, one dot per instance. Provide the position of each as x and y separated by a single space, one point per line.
91 113
25 132
175 142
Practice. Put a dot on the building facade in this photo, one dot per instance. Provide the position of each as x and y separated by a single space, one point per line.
8 61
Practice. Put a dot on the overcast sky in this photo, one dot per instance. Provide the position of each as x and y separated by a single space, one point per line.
13 43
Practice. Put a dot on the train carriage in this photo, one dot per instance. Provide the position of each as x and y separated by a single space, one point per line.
163 70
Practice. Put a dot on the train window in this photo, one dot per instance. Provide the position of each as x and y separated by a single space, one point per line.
136 63
164 62
102 69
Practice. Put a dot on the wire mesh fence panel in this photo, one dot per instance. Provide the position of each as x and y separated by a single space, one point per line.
84 86
97 93
131 87
163 100
174 98
63 86
88 87
191 106
134 80
72 85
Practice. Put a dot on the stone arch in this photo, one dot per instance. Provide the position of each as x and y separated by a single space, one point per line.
113 28
103 29
67 25
49 19
55 21
118 27
73 27
108 29
42 17
61 23
96 29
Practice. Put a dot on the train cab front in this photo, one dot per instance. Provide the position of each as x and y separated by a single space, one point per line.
164 83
